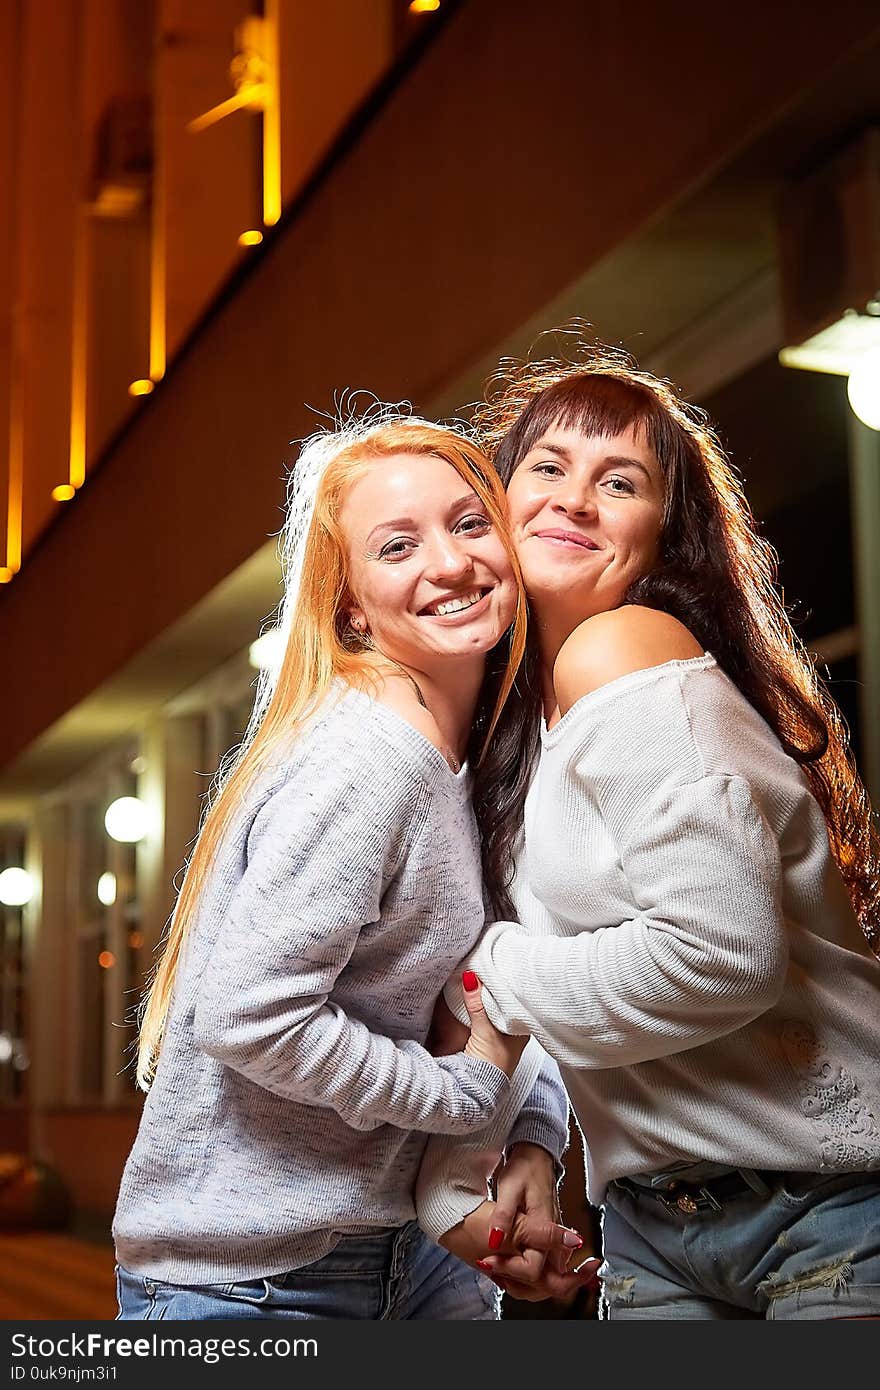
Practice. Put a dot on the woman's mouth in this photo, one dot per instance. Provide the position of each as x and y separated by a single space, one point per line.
575 539
456 605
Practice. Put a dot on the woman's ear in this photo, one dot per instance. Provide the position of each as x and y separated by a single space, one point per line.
357 619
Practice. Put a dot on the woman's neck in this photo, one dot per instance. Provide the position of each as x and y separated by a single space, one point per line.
450 694
552 629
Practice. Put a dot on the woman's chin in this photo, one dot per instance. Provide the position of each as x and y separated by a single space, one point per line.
469 639
466 644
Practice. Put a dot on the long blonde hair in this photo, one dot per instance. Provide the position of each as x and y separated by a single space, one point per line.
320 646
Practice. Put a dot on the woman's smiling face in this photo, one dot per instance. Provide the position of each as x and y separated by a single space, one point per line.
586 512
428 572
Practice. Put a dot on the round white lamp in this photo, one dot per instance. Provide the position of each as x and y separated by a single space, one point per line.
16 887
107 889
127 819
863 389
268 650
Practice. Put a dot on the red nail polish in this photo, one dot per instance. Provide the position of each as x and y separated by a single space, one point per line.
469 981
496 1238
485 1266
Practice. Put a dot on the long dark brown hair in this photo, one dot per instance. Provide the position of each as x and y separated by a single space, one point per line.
715 574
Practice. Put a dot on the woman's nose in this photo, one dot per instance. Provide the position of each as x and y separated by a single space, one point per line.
449 559
576 499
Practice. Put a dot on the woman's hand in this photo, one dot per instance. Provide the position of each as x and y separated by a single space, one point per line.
485 1041
542 1278
526 1182
446 1035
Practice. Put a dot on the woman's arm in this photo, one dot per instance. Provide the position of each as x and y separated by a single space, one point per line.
521 1229
706 954
543 1118
706 951
455 1171
321 853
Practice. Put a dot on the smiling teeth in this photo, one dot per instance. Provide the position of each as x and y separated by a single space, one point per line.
456 605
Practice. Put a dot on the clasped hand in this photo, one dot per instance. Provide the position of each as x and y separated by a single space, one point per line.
517 1239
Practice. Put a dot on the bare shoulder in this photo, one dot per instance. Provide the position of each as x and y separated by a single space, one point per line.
614 644
396 693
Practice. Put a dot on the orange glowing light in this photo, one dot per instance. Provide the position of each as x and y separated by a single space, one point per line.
424 6
16 478
79 357
158 276
271 118
142 387
250 238
6 575
63 492
135 940
106 960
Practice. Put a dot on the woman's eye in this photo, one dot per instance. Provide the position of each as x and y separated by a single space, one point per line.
474 525
548 470
621 485
396 549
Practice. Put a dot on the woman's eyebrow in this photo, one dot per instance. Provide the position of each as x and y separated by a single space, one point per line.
404 521
624 461
549 447
467 500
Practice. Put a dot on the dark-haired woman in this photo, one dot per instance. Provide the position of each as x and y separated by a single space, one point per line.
697 859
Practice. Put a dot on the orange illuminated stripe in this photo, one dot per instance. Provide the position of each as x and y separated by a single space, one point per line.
158 344
424 6
16 480
271 119
79 363
250 94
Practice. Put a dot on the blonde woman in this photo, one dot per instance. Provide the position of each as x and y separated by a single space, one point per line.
335 883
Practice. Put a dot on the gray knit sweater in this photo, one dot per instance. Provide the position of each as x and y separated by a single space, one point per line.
294 1095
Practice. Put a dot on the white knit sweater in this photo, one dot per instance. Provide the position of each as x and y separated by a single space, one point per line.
687 951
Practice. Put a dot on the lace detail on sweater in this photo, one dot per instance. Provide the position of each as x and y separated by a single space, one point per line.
830 1096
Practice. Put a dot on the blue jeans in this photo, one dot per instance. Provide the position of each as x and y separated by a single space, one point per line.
808 1250
387 1276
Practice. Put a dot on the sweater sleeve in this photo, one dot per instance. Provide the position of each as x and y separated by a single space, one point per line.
543 1119
455 1170
705 950
320 854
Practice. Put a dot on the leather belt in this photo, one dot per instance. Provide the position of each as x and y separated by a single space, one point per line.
687 1198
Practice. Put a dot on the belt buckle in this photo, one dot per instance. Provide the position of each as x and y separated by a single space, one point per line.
685 1204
